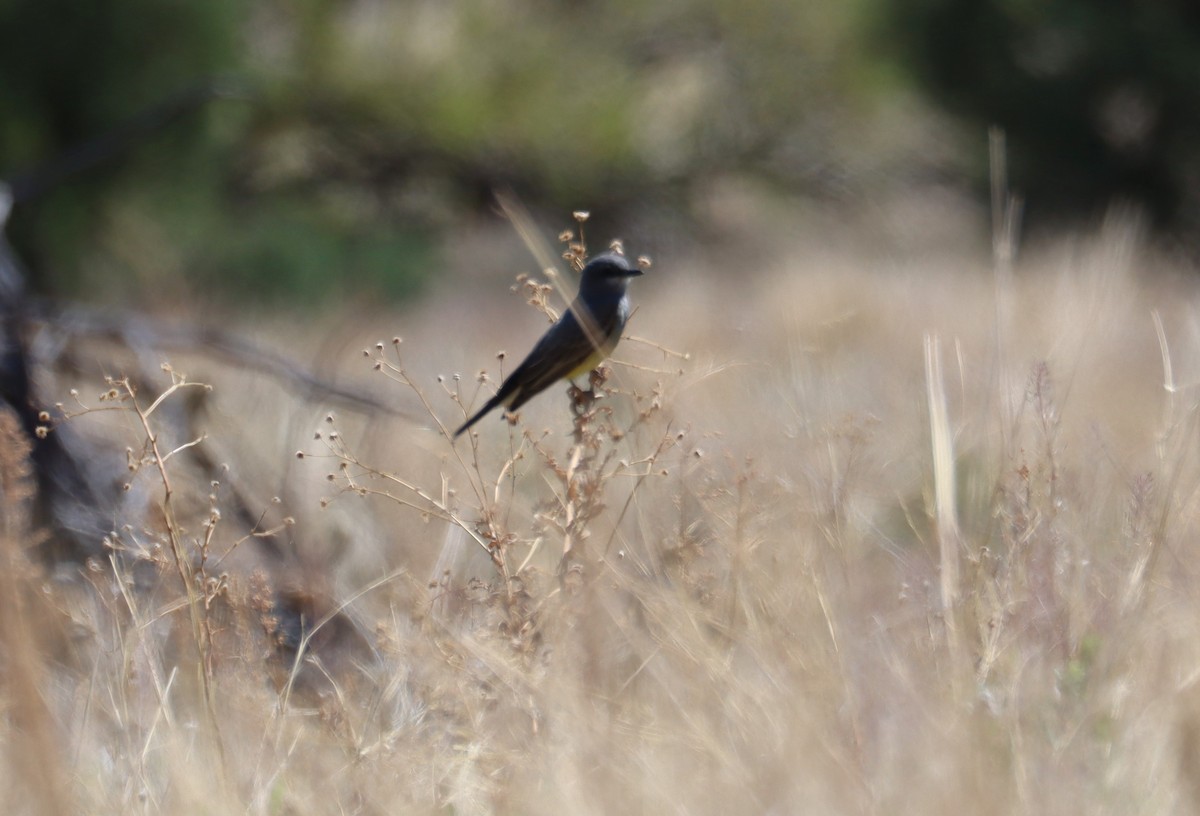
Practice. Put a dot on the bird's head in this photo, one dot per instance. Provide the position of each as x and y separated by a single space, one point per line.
609 271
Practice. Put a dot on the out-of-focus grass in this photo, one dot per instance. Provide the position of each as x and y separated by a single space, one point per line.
767 631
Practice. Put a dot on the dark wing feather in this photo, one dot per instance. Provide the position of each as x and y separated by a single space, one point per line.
561 350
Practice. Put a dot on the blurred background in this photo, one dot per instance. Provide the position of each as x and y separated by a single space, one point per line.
315 152
257 190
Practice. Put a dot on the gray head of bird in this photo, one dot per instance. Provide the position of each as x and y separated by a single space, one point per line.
607 272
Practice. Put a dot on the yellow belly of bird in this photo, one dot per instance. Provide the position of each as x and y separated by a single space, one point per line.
593 360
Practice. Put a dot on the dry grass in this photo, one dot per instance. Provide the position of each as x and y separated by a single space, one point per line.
899 536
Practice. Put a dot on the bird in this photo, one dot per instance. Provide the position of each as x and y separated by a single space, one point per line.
583 337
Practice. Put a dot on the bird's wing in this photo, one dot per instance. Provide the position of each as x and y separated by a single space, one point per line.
560 351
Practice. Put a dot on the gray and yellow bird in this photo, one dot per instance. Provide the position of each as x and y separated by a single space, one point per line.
585 335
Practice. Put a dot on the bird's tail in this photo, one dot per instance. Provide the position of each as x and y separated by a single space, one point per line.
489 405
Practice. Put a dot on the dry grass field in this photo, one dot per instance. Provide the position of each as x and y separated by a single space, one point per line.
865 522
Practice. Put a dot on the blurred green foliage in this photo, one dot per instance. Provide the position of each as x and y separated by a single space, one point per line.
250 150
1100 100
350 137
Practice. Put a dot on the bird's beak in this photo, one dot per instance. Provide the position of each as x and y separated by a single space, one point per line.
635 272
